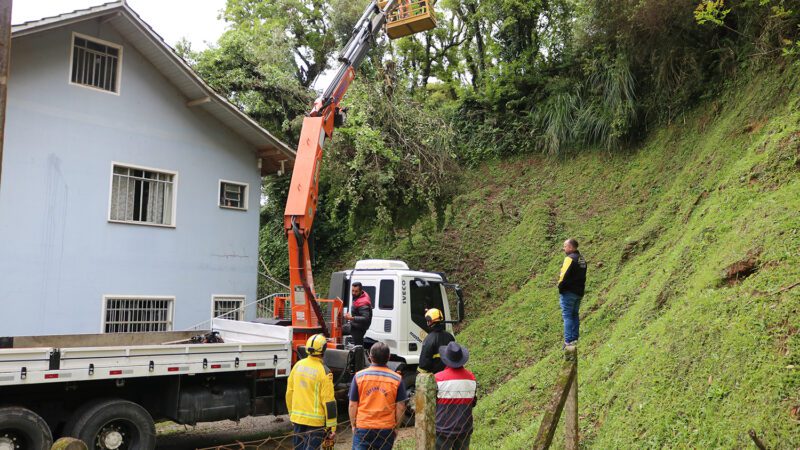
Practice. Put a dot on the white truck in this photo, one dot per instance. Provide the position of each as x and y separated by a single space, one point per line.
400 297
108 389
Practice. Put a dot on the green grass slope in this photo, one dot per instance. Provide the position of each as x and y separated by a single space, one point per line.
673 354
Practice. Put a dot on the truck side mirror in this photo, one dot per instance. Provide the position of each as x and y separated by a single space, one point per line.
459 303
460 295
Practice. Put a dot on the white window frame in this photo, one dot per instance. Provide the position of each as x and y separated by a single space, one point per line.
246 200
173 222
99 41
171 299
228 297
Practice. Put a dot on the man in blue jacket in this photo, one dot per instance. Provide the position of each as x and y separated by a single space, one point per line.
571 286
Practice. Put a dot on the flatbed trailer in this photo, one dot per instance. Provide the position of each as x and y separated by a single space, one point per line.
108 389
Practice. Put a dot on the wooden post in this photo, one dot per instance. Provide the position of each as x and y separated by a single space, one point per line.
547 428
425 405
68 443
571 420
5 62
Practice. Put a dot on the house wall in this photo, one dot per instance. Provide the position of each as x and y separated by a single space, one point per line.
59 254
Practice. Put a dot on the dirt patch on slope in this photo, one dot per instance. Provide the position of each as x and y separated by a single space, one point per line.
738 271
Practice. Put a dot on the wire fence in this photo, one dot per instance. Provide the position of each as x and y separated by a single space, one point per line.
450 415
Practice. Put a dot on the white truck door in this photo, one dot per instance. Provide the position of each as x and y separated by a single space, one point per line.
419 296
384 323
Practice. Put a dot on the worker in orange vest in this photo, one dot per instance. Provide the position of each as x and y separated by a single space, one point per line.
377 402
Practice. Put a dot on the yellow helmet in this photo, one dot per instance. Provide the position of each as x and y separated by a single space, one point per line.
433 316
316 345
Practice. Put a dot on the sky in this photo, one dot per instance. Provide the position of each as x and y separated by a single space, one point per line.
195 20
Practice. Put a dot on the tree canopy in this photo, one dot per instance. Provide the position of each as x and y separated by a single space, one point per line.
495 78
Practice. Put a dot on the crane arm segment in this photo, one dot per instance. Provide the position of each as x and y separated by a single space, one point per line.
301 205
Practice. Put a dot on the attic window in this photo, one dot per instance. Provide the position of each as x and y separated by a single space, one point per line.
95 63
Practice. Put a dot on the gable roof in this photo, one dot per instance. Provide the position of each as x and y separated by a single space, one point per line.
275 154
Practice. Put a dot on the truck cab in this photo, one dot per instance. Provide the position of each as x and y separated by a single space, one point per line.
400 297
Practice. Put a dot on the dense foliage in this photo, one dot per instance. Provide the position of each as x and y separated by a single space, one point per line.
673 348
690 327
495 78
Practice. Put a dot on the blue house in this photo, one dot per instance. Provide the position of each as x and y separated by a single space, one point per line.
130 194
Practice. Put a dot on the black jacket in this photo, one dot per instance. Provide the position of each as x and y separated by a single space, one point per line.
573 274
361 312
429 359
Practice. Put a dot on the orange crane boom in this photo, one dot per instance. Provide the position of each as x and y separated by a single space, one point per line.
308 317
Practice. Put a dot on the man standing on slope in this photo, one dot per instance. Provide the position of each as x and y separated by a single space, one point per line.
309 397
360 315
570 289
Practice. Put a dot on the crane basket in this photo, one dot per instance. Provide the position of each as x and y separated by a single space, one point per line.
411 16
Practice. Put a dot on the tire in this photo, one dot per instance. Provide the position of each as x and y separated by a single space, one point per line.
24 428
113 425
409 379
410 416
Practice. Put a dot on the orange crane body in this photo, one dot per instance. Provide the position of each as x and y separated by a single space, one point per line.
310 315
307 315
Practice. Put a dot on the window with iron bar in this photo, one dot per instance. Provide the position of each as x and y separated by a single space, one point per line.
134 315
142 196
232 195
229 307
95 63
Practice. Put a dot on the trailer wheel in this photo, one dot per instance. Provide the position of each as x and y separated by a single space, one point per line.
113 425
23 429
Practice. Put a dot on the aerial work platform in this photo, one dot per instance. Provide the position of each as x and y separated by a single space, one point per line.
410 16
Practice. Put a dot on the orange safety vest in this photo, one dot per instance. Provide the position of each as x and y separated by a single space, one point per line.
377 397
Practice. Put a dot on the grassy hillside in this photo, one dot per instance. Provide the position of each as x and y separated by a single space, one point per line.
689 326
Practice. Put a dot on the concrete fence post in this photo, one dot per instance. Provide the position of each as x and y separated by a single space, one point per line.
571 420
425 410
563 387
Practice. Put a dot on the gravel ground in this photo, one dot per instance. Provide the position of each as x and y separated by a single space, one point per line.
172 436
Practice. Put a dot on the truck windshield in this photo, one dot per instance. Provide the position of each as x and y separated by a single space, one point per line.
425 297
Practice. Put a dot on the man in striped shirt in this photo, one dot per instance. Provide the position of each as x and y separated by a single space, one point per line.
456 397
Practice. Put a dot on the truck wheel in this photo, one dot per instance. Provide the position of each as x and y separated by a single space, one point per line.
23 429
113 425
409 379
409 419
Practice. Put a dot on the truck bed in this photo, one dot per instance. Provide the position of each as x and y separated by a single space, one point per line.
72 358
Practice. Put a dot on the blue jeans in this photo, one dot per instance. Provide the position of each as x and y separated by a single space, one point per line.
570 303
306 437
366 439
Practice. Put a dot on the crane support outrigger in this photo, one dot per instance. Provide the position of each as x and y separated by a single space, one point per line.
301 206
